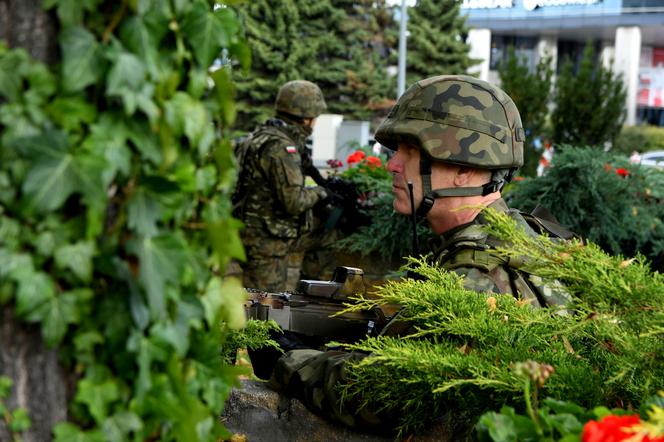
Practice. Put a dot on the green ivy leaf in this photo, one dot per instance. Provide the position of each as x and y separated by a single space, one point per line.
143 212
71 112
226 241
176 336
225 94
20 420
205 32
67 432
97 396
34 290
187 116
81 61
60 311
146 352
144 140
77 258
138 39
5 386
162 259
224 301
126 79
118 427
10 76
242 53
70 12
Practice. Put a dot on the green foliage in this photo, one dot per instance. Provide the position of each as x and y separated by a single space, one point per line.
584 191
639 138
530 92
588 104
458 362
255 335
109 210
330 42
437 41
16 420
554 420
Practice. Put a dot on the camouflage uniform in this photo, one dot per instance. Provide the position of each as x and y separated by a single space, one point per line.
277 208
459 120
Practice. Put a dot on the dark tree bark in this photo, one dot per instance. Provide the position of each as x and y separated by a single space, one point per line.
39 383
23 23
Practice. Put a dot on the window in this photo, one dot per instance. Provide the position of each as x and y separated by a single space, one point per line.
525 48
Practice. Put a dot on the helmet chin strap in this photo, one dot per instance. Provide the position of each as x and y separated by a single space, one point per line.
499 178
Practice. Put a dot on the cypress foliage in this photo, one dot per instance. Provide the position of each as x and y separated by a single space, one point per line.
461 360
589 104
436 44
530 92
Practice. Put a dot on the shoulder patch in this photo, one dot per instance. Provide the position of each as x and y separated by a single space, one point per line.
291 149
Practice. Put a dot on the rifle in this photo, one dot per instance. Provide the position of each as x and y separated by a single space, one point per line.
309 310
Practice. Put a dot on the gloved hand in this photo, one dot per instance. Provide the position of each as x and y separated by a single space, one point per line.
264 359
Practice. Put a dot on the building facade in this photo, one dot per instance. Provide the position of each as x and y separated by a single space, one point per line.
628 36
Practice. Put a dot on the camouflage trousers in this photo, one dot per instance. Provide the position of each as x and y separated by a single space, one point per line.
274 264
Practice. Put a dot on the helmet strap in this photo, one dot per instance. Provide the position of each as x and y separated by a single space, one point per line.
429 196
498 180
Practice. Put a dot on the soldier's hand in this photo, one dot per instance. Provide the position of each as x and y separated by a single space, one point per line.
264 359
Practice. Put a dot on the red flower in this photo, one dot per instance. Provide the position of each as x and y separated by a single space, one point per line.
374 162
622 172
610 429
355 157
334 164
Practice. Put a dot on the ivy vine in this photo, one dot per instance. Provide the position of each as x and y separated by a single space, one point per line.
115 224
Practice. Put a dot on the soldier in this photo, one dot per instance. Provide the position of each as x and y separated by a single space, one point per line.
273 202
458 140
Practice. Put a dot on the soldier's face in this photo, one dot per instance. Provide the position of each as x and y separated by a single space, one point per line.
405 167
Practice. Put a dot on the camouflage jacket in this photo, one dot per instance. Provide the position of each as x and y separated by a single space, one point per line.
469 251
312 375
277 202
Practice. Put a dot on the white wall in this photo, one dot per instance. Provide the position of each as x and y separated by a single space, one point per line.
480 48
325 138
627 58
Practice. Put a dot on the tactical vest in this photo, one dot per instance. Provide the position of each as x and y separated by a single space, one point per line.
476 250
248 151
255 201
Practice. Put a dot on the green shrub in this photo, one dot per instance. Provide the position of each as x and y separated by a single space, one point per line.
461 361
603 198
639 138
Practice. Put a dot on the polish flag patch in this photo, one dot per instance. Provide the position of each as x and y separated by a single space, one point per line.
291 149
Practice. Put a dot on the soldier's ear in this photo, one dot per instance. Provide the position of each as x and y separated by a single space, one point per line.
464 176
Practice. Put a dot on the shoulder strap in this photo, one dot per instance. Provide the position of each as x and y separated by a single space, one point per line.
544 222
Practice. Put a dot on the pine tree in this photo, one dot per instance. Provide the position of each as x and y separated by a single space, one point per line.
273 33
436 44
589 104
530 92
327 42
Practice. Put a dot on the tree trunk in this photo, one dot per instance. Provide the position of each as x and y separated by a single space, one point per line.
24 24
39 383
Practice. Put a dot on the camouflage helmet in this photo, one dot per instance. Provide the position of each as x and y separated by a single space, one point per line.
300 98
457 119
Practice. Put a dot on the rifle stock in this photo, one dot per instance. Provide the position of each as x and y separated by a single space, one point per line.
310 308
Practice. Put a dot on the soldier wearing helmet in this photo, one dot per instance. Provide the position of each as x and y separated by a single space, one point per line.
271 198
457 141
